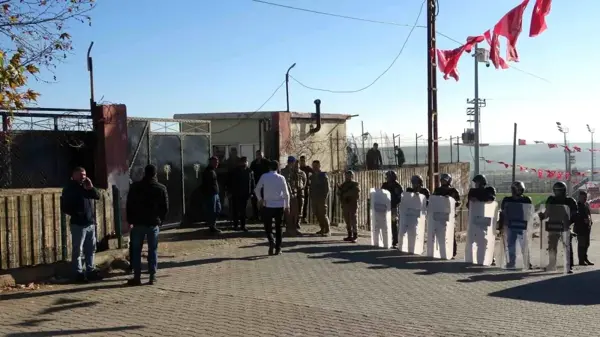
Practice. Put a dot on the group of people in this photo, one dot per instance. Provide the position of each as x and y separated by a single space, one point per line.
579 217
278 196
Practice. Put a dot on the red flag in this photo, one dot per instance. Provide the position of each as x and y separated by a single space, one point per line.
567 175
522 142
567 149
488 161
552 146
510 26
540 174
577 148
559 175
448 59
495 57
538 17
550 174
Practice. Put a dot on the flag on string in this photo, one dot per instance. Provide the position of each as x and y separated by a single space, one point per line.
495 57
538 17
559 175
577 148
540 174
510 26
552 146
567 175
522 142
567 149
448 59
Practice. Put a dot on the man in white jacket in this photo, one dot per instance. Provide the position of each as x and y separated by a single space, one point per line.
275 200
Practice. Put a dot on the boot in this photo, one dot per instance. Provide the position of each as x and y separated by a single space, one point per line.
349 237
354 237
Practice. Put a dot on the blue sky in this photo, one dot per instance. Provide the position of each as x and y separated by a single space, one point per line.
229 55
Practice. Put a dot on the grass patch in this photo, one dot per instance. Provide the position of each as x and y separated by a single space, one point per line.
537 198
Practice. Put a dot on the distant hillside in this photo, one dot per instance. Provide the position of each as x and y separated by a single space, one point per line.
534 156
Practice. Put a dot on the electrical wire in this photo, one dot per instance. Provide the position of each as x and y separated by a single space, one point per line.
380 75
252 113
389 23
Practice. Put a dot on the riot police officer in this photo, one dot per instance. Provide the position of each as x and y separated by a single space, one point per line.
481 192
517 190
583 228
392 185
416 183
447 190
560 197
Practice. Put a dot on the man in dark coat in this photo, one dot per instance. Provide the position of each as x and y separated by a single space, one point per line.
211 202
147 208
240 186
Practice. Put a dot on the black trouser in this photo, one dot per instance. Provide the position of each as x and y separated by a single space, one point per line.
454 248
305 208
238 210
583 243
394 232
269 214
571 250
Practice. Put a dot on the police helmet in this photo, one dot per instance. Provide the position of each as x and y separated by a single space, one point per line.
480 179
416 180
391 175
518 187
446 178
559 188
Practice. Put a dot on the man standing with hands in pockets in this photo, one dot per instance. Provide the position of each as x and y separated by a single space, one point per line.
274 201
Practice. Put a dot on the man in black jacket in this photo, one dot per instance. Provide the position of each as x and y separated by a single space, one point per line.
77 201
240 186
583 228
211 202
259 166
147 207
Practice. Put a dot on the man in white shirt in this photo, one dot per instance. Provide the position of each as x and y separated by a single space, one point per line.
275 200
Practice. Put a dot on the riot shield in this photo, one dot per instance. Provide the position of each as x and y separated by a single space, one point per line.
411 223
381 218
440 227
555 238
481 233
517 230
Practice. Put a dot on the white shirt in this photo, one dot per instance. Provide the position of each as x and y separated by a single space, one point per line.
275 190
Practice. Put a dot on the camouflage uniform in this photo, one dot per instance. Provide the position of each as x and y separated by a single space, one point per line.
349 193
296 181
319 192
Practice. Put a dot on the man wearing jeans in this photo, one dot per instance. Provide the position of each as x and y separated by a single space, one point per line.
77 201
211 202
275 201
147 207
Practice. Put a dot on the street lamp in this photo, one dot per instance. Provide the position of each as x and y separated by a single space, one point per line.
591 131
417 136
287 87
564 130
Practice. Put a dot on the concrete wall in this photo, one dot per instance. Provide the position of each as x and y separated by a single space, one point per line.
327 145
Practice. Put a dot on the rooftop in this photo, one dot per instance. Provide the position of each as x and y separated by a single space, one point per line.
257 115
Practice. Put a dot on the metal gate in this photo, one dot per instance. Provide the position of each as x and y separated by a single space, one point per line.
180 149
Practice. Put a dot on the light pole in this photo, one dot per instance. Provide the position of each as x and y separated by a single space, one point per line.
287 87
480 55
591 131
564 130
417 136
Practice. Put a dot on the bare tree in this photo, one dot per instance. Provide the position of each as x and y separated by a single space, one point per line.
35 36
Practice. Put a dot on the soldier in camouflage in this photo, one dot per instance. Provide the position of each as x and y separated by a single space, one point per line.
319 193
296 181
349 192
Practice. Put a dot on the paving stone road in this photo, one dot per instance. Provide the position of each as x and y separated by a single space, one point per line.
318 287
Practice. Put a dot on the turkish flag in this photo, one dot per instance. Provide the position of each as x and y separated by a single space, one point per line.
510 26
567 175
559 175
552 146
577 148
540 174
538 17
522 142
448 59
495 57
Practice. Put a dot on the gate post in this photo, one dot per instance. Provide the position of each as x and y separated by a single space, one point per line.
63 235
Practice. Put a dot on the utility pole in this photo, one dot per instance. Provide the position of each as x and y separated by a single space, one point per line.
287 87
432 117
564 130
591 131
451 161
480 55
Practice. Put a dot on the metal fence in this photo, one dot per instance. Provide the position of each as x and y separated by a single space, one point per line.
40 146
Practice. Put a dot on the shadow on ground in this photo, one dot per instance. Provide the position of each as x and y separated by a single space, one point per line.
51 333
103 285
195 234
574 289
